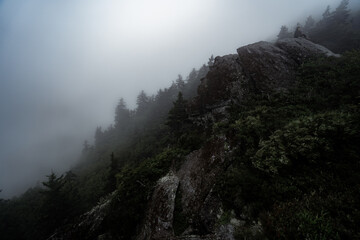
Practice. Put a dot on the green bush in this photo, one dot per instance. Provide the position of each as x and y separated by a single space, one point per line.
135 186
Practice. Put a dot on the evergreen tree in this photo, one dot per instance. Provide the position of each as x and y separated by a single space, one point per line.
55 206
202 72
192 76
142 102
178 115
326 18
191 84
327 14
211 61
98 136
284 33
341 14
310 23
180 83
111 182
86 147
122 115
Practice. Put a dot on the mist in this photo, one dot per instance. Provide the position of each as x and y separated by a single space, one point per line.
65 64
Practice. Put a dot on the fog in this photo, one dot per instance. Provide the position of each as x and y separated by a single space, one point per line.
65 64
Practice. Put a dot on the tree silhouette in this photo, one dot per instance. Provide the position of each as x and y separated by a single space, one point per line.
284 33
178 115
122 115
111 182
310 23
55 206
341 14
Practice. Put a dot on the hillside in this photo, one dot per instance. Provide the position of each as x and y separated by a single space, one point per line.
261 144
268 149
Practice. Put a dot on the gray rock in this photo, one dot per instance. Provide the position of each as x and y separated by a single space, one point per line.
197 177
301 49
259 68
215 88
266 67
88 225
160 214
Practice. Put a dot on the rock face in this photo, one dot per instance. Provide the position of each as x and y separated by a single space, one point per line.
301 49
259 68
197 177
159 218
266 67
195 180
88 226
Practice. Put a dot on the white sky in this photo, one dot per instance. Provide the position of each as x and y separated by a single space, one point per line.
64 64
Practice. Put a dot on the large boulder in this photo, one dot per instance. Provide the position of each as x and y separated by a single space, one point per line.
158 222
192 184
301 49
259 68
266 67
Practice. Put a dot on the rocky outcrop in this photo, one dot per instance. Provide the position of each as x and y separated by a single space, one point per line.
215 88
88 226
301 49
198 175
266 67
259 68
159 218
194 180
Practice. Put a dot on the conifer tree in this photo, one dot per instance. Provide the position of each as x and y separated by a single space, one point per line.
111 182
211 61
98 136
142 102
55 207
341 14
178 115
310 23
284 33
122 115
180 83
326 18
326 15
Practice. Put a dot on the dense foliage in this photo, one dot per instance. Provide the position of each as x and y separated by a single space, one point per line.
338 30
129 155
297 156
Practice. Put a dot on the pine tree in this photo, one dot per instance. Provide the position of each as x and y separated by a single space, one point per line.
86 147
55 207
341 14
327 18
177 115
211 61
142 102
98 136
310 23
111 182
326 15
284 33
180 83
122 115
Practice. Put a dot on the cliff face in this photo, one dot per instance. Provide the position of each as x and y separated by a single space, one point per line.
259 68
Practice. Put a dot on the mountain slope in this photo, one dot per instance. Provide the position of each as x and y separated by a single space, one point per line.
268 150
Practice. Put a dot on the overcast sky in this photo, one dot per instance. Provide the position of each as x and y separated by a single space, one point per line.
64 64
